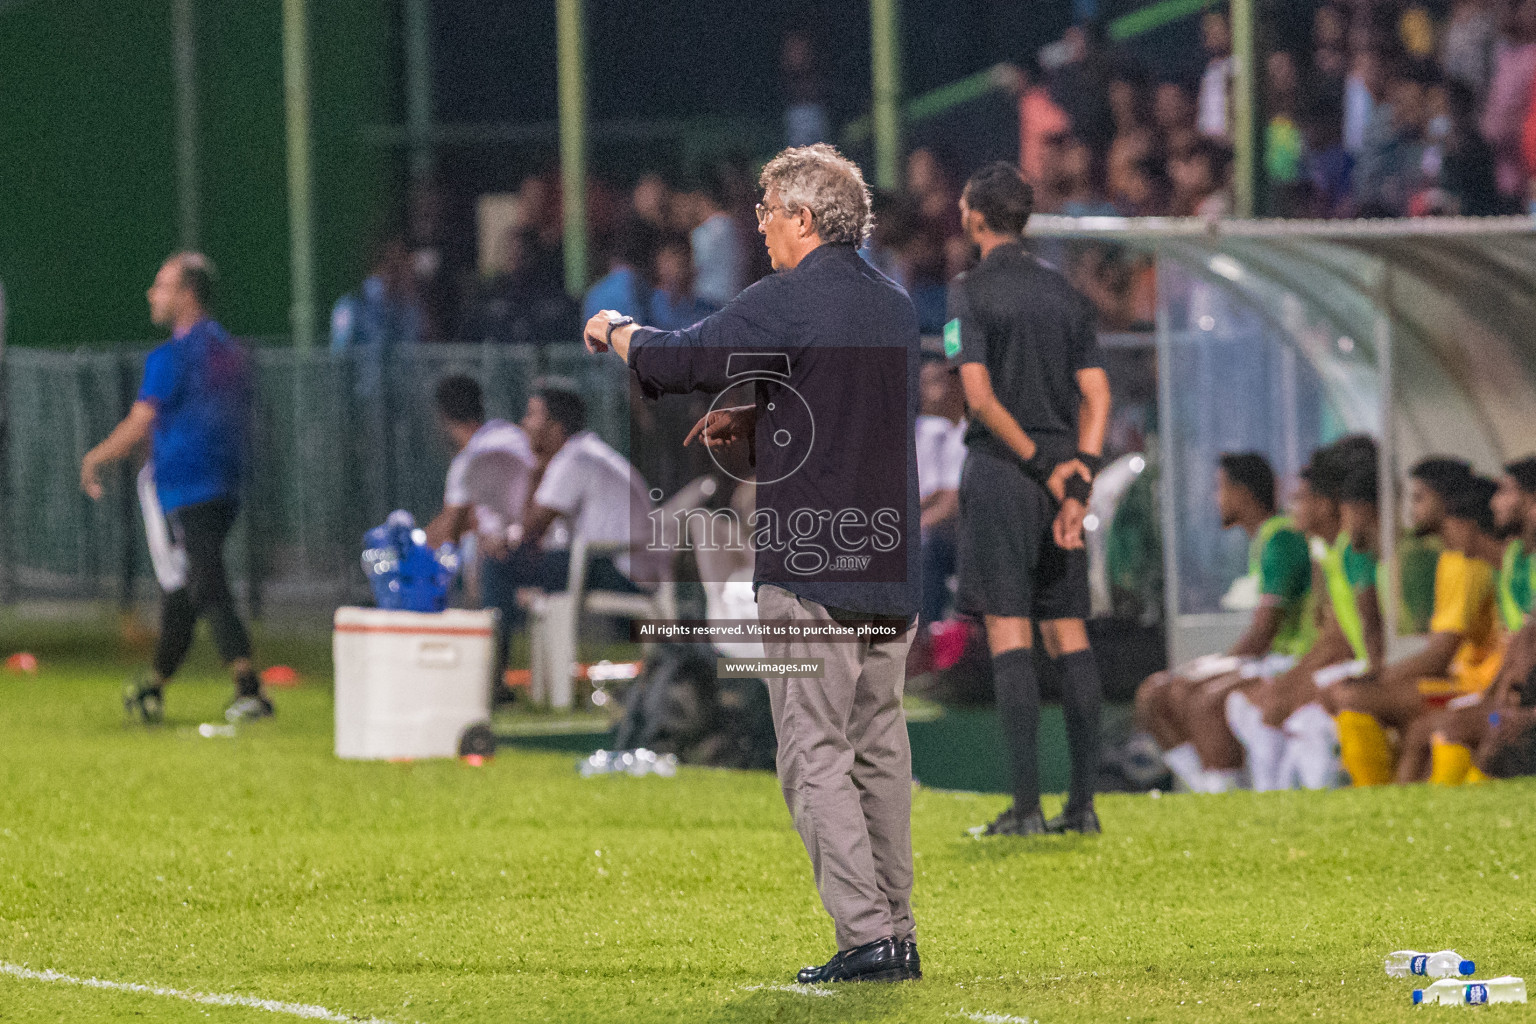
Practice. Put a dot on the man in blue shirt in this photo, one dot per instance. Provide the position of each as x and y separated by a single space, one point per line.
828 350
194 407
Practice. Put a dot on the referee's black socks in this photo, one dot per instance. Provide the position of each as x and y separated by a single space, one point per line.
1080 699
1018 703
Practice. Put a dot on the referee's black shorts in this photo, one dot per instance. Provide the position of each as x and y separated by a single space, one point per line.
1009 563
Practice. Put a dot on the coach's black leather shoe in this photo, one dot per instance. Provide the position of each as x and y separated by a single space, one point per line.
910 961
874 961
144 701
1009 823
1084 821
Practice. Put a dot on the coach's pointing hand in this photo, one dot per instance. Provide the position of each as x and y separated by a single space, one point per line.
721 428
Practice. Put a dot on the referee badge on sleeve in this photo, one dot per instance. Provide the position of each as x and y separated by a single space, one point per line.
952 338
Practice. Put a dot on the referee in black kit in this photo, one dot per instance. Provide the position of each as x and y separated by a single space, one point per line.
1029 362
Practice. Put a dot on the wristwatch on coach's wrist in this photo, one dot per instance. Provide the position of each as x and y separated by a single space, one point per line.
616 322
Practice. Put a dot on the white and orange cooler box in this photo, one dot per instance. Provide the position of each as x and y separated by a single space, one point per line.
408 684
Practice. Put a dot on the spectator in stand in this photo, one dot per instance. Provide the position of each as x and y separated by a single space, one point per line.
940 457
1200 178
1081 86
1364 98
1079 196
651 201
674 301
438 265
1328 166
1467 46
522 302
383 312
1131 100
1468 183
1214 119
937 201
1330 53
1136 178
1389 171
1040 119
1509 97
807 119
1173 113
541 216
719 262
1284 148
625 287
382 315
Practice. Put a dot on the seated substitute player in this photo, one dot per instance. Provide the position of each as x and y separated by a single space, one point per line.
1279 565
1441 745
484 496
1288 738
1462 655
1314 511
581 488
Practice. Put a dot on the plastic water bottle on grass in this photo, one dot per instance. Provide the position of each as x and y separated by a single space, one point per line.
1445 964
1451 991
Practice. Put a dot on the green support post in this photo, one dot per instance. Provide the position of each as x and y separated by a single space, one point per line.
184 45
885 59
418 86
1244 113
573 140
301 235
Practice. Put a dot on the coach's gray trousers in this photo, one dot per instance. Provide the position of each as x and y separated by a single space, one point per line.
846 770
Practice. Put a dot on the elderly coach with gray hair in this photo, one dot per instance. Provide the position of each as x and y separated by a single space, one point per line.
833 443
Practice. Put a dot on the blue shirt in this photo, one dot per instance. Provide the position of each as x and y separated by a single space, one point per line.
830 351
669 314
621 289
200 386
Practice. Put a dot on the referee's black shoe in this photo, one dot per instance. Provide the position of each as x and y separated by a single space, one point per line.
1011 823
880 960
144 701
1082 820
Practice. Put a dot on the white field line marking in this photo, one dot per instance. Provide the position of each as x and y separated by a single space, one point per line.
799 990
995 1018
304 1010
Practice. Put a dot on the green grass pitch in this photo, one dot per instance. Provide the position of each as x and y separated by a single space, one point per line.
435 892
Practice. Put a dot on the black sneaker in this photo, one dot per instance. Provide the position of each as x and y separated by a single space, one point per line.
250 707
144 701
1009 823
1084 821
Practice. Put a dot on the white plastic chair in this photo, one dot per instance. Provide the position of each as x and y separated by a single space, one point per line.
555 617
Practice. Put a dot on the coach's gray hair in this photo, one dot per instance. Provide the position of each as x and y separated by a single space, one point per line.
820 179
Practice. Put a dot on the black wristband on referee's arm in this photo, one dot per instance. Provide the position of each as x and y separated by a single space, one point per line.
1093 462
1077 488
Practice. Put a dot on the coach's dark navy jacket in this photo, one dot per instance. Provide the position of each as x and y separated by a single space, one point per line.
844 500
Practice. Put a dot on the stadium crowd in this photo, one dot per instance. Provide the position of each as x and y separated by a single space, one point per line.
1308 696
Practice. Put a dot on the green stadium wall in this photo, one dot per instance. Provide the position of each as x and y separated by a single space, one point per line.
88 189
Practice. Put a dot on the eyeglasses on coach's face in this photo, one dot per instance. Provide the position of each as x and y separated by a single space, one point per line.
764 212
